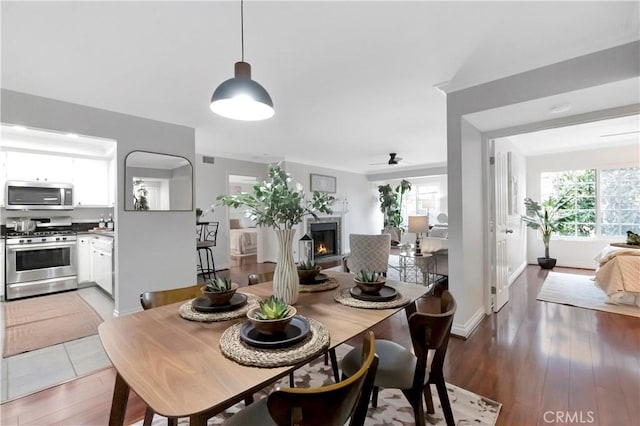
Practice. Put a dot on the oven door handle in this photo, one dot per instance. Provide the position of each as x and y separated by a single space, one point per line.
29 247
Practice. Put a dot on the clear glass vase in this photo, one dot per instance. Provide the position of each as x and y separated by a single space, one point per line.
286 283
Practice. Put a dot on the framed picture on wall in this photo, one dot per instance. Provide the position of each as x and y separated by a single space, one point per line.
323 183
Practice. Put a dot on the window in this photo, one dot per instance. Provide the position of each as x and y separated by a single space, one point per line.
422 200
604 202
620 201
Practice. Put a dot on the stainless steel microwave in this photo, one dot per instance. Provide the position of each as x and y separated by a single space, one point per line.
39 196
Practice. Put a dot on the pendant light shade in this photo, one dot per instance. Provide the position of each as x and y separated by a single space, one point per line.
241 98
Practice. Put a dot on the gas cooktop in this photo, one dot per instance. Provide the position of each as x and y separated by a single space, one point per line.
47 233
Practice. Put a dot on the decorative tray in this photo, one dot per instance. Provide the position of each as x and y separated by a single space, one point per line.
296 331
385 294
203 304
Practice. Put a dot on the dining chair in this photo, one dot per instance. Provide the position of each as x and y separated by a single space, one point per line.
207 236
368 252
327 405
399 368
154 299
268 276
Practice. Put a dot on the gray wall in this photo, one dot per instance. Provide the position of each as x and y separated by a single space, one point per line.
154 250
466 275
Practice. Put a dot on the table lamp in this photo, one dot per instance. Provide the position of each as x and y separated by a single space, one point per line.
418 225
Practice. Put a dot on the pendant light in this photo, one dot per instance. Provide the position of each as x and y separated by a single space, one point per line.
241 98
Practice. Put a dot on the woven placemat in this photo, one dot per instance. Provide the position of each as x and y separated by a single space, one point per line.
186 311
329 284
313 345
344 297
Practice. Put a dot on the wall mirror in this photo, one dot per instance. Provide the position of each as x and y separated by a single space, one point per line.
157 182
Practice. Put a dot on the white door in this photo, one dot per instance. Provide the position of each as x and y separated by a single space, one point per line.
500 272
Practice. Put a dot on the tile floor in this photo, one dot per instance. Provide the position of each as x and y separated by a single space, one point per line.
32 371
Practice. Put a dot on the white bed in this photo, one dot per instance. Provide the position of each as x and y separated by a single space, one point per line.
243 241
618 274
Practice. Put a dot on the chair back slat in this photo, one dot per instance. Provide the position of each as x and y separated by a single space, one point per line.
153 299
328 405
430 332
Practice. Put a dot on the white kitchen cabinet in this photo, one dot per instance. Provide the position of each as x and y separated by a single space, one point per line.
39 167
102 262
91 183
84 258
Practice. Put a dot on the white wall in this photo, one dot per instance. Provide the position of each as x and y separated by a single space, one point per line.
610 65
574 252
154 250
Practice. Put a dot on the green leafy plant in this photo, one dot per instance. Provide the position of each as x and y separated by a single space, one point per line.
218 285
308 265
367 276
391 202
272 308
278 204
140 194
546 216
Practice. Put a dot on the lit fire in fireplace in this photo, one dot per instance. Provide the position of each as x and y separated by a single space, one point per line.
322 249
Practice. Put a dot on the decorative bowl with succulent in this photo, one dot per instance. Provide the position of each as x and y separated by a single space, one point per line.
308 270
219 290
272 316
369 282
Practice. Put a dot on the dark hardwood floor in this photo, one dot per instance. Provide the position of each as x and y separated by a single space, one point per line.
546 363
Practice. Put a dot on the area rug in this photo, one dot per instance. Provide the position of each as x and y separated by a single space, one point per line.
45 321
580 291
393 408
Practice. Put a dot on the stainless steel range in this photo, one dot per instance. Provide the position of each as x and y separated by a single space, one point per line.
41 261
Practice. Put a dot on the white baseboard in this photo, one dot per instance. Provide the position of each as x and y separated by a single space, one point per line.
465 330
117 313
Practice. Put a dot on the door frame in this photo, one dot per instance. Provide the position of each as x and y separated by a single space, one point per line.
489 181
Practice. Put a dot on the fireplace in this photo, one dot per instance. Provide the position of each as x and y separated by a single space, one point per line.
325 233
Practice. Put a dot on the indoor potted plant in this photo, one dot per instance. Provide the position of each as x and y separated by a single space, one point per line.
278 204
219 290
546 217
272 316
391 206
369 282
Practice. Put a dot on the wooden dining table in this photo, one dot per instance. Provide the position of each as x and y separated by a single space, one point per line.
176 366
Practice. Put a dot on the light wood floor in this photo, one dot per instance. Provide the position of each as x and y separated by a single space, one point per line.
533 357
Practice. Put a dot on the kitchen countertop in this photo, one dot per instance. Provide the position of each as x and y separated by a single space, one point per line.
111 234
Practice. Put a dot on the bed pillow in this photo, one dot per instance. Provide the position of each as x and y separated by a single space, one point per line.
439 232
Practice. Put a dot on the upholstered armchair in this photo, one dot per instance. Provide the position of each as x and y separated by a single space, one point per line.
368 253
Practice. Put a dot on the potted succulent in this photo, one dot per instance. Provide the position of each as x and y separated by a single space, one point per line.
219 290
280 205
369 282
308 270
272 316
546 217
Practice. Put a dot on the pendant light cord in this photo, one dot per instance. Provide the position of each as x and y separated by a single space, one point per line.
242 26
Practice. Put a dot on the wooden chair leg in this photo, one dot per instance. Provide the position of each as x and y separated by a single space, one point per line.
374 397
326 358
334 364
428 399
415 399
148 416
172 421
248 400
444 401
292 382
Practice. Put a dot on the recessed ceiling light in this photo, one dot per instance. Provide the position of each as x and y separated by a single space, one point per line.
20 128
560 108
72 135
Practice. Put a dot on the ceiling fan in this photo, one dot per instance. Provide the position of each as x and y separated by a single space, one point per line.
393 160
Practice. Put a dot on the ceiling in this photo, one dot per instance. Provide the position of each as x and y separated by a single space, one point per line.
595 134
350 81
